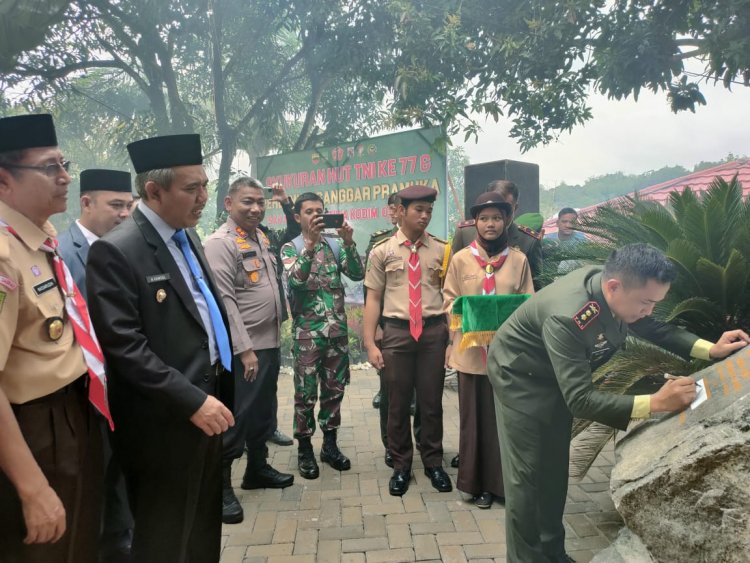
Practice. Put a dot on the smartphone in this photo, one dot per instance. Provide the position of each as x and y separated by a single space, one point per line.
267 192
333 220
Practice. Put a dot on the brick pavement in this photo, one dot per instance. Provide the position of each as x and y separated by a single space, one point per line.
350 517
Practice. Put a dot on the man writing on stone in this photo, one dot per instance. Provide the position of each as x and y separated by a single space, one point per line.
540 364
243 256
163 328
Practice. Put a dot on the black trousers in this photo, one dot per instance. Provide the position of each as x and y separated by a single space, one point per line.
116 516
255 407
63 433
176 504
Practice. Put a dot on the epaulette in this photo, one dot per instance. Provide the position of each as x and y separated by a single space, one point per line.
438 239
587 314
380 233
381 241
531 232
4 245
467 223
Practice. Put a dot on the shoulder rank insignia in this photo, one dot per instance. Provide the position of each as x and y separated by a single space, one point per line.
441 241
467 223
378 243
531 232
587 314
380 233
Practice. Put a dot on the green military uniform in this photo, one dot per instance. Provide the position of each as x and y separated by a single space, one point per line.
540 364
321 348
521 237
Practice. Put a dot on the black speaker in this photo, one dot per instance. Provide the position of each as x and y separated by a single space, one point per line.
525 175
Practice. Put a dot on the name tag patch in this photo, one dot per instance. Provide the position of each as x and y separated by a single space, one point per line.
158 278
249 254
45 286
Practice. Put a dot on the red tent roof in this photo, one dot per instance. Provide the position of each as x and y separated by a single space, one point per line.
698 181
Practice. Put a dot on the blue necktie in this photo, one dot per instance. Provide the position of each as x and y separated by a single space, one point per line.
220 331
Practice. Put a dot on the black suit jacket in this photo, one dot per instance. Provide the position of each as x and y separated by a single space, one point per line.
153 339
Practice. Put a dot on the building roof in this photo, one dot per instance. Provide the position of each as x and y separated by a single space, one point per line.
698 181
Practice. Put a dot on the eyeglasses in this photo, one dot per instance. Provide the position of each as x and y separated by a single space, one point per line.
49 170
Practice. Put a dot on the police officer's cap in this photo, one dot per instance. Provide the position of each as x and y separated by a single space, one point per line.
27 132
490 199
417 193
95 179
165 152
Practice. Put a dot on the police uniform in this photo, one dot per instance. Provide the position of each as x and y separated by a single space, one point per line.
245 267
411 364
42 373
521 237
540 364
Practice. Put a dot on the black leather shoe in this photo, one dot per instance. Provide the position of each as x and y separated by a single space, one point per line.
388 458
308 467
399 482
454 462
439 479
231 509
376 401
280 439
331 454
266 477
484 500
567 559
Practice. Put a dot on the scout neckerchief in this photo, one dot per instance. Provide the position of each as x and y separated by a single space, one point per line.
83 331
243 245
488 288
415 290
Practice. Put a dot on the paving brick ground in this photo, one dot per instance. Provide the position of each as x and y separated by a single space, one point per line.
350 517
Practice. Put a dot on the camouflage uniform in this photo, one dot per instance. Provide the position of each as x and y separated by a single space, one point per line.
321 346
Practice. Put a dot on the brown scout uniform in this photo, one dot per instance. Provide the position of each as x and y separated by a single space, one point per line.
42 379
479 470
411 364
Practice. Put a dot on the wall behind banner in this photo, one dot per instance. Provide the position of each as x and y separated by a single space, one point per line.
356 178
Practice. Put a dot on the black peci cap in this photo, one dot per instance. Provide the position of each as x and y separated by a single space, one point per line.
27 132
95 179
165 152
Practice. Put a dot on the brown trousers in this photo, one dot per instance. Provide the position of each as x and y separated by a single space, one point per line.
64 435
411 365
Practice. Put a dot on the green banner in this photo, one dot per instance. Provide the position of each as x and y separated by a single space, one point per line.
356 178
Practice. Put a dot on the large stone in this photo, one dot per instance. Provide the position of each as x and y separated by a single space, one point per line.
627 548
682 483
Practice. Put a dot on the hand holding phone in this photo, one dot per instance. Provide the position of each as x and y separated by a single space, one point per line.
333 220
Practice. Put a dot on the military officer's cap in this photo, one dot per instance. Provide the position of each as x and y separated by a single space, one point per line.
490 199
165 152
27 132
95 179
417 192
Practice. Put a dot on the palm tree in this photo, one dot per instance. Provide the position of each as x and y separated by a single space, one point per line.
707 237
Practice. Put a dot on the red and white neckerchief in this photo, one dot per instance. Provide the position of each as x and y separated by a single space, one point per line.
488 288
83 331
415 290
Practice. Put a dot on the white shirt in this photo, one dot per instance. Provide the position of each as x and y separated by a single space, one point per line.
91 238
166 232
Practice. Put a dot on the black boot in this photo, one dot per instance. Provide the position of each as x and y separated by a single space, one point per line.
260 475
308 467
331 454
231 509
